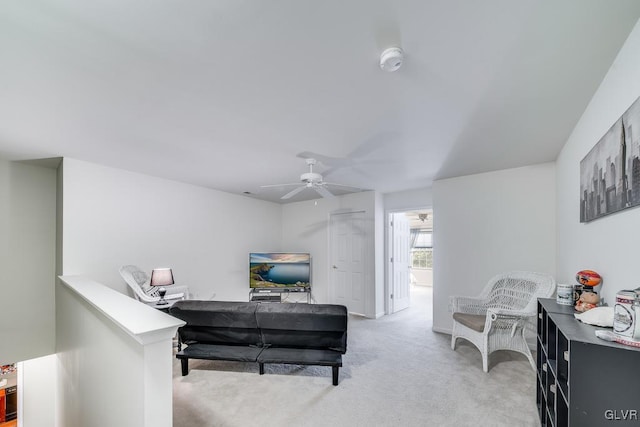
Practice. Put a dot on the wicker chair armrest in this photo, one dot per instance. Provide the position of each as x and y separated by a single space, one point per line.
515 319
505 313
469 305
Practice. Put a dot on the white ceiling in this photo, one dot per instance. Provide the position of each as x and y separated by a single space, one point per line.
426 223
226 94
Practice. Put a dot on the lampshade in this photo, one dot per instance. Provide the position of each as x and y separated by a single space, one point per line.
161 277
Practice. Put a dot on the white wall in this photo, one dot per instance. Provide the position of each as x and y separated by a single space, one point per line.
204 235
27 260
114 217
306 229
422 276
407 200
489 223
608 245
37 385
114 358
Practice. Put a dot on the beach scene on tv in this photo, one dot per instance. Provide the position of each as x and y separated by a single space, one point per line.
279 270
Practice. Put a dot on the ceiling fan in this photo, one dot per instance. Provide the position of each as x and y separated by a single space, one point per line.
314 181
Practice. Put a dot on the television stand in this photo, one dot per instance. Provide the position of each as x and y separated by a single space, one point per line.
266 297
280 295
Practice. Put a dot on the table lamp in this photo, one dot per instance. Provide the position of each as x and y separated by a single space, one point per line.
161 277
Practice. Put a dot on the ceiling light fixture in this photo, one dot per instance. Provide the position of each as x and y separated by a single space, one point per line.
391 59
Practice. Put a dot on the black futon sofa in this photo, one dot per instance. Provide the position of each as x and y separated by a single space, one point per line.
300 334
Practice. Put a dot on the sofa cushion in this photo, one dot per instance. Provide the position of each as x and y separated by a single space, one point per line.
238 353
213 335
217 322
300 356
336 341
471 321
216 313
304 326
302 317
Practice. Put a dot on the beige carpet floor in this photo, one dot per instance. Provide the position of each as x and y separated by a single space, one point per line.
397 372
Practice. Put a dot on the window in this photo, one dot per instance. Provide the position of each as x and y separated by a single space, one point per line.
422 258
421 248
423 240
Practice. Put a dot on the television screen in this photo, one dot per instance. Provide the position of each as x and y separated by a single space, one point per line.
279 270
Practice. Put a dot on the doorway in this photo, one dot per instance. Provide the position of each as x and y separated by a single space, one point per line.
410 258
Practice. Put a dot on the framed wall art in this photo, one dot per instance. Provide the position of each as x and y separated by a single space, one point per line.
610 172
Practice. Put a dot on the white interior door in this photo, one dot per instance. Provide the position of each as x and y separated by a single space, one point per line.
347 259
400 262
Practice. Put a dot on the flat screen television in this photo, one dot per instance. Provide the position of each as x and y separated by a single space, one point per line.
279 270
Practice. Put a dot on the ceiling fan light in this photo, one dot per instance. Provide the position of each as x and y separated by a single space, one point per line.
312 180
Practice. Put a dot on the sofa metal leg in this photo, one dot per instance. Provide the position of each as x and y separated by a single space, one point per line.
185 366
336 371
261 365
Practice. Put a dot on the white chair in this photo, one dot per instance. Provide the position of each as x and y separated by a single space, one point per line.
498 317
138 281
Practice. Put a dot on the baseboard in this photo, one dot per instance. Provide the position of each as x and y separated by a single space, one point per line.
441 330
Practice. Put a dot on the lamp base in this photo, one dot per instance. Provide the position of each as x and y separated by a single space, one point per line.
162 292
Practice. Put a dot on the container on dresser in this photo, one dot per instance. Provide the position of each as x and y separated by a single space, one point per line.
582 380
8 401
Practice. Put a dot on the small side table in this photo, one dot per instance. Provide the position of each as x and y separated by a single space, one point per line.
163 307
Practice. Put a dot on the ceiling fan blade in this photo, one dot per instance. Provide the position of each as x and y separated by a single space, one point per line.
279 185
293 192
355 169
325 160
346 187
374 143
323 191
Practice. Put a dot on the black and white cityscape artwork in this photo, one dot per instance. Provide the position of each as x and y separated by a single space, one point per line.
610 172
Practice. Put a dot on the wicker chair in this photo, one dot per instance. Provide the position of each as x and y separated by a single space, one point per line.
498 317
138 281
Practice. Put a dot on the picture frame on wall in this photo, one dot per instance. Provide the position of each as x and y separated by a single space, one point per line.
610 172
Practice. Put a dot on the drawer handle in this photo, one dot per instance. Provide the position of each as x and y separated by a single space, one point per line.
565 354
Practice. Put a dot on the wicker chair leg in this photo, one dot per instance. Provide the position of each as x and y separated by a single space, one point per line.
533 362
454 336
485 362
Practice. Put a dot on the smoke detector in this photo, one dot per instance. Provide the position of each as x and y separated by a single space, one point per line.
391 59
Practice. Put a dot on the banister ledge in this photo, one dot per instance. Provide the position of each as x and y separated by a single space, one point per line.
143 323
